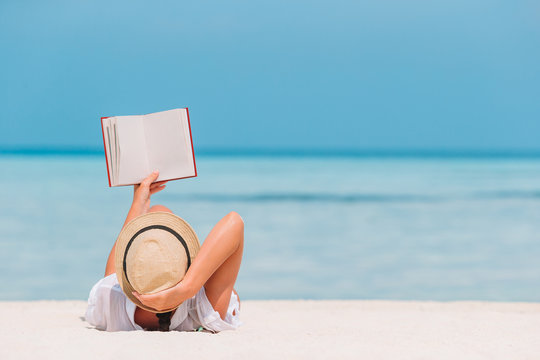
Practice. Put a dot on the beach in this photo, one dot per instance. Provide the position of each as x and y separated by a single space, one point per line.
299 329
443 231
383 157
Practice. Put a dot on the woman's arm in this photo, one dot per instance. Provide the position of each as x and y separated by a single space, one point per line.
139 206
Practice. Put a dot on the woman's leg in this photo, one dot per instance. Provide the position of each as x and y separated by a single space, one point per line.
159 208
226 237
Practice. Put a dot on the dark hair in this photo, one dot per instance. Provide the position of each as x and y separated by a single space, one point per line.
164 321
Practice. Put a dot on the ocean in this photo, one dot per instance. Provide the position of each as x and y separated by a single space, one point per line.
337 227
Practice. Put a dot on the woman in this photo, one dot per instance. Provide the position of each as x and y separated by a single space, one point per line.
205 294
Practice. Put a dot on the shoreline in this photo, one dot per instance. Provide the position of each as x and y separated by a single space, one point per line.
349 153
299 329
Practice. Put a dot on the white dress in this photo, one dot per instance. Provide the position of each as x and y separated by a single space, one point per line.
111 310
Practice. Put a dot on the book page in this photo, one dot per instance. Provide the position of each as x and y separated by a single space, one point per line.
168 143
114 132
108 148
114 150
133 164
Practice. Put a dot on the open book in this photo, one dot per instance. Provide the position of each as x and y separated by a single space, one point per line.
137 145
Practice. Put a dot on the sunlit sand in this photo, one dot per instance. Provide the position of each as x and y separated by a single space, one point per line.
288 330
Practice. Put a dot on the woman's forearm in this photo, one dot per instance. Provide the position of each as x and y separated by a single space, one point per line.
139 206
134 211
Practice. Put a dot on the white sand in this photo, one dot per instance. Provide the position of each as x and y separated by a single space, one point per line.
289 330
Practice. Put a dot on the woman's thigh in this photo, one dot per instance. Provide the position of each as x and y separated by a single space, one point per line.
219 286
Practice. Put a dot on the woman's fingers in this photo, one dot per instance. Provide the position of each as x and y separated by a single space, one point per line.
142 298
159 183
156 189
161 300
150 178
155 301
144 301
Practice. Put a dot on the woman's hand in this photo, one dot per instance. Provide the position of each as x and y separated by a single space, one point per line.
143 191
166 299
141 196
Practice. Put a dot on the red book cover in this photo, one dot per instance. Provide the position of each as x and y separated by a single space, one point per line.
105 150
191 138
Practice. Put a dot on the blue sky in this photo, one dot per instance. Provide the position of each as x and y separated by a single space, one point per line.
276 74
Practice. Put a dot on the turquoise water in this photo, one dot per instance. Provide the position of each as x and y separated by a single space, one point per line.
316 228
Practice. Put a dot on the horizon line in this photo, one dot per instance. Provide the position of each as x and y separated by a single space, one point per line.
294 152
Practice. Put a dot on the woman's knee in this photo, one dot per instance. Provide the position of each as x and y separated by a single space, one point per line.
234 219
156 208
235 225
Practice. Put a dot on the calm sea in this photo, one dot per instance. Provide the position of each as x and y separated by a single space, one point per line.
434 228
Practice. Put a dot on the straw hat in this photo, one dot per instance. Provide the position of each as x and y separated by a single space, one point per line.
153 253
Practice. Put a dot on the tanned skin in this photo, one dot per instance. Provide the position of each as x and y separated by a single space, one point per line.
215 267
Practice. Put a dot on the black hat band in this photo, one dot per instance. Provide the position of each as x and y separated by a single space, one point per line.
161 227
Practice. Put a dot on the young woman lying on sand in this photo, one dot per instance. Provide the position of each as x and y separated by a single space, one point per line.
203 300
